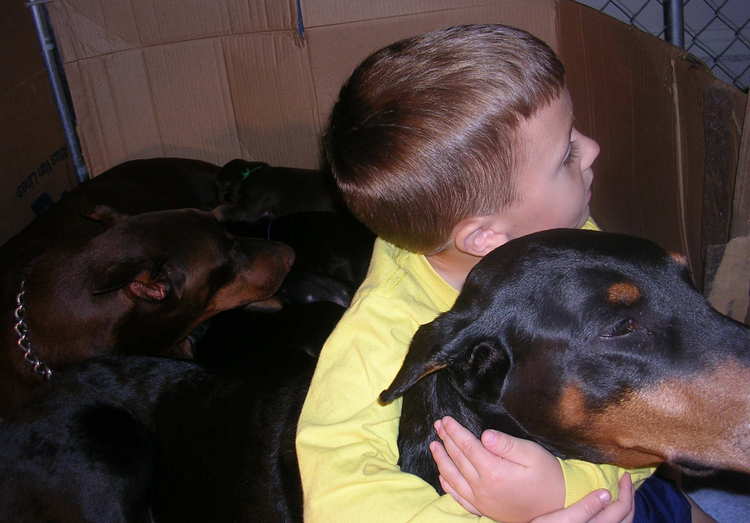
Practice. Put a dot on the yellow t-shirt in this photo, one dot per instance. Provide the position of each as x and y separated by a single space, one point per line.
347 441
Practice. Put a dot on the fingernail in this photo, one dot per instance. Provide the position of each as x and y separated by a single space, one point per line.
489 436
604 496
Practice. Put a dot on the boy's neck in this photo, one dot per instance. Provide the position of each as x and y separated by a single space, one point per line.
453 265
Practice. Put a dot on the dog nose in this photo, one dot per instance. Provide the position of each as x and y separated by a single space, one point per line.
287 254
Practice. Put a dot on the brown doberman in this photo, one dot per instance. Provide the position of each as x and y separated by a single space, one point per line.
138 285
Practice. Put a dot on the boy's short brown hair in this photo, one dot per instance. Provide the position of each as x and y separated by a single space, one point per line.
423 133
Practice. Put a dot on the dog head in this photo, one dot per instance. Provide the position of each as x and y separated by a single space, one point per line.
251 191
595 345
233 175
145 281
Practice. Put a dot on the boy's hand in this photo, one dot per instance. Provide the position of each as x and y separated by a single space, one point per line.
501 477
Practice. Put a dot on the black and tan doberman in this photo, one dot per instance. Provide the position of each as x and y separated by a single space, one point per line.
595 345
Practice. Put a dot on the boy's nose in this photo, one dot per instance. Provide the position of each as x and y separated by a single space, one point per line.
590 151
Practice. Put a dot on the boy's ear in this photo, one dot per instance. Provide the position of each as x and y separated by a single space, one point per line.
478 235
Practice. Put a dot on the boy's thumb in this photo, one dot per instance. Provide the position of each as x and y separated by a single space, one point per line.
582 510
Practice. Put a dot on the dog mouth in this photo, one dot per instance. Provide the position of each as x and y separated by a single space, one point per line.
271 304
730 451
278 264
693 468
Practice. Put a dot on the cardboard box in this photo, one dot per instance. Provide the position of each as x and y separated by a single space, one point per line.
257 79
35 165
655 111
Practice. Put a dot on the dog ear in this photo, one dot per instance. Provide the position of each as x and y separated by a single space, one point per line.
142 279
481 370
448 340
228 213
105 215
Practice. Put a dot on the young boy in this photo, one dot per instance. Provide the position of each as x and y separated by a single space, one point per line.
446 145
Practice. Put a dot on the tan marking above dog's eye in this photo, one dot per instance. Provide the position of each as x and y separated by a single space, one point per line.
623 293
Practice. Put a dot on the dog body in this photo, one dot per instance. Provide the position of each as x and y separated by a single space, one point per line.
138 286
154 184
176 440
595 345
86 454
122 439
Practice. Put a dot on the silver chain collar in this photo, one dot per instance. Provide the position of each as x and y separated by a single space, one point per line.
22 331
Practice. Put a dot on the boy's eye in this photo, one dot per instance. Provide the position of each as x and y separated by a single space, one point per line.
573 154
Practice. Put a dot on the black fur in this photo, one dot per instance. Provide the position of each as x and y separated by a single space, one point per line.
257 190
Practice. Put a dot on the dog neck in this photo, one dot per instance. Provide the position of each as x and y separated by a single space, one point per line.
23 341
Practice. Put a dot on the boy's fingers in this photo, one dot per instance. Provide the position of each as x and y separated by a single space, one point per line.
626 484
447 469
461 445
622 510
447 487
516 450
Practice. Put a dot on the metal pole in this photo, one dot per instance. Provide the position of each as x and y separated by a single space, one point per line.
674 23
59 87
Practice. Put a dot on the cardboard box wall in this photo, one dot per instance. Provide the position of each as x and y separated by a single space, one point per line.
256 79
35 165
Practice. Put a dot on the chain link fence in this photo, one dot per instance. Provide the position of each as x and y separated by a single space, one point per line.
716 31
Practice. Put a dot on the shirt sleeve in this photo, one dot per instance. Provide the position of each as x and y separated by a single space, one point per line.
347 441
581 477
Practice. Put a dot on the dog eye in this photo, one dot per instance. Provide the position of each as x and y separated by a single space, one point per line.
621 328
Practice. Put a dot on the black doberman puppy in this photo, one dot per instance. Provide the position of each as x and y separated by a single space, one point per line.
595 345
257 190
